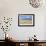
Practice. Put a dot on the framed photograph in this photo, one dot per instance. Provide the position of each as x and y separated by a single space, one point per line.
26 19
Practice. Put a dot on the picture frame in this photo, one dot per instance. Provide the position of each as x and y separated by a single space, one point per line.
26 20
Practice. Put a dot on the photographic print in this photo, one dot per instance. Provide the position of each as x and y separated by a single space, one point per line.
25 19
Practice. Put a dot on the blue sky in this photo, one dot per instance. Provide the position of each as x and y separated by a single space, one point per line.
23 17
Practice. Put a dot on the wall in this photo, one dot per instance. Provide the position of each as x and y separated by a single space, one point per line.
11 8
